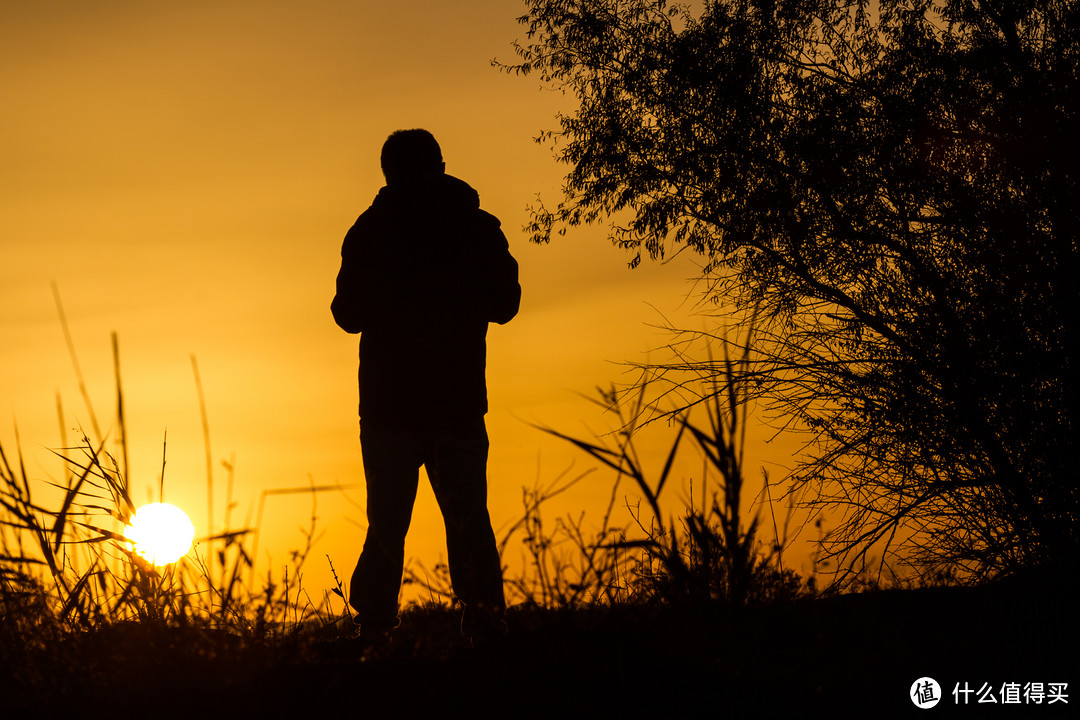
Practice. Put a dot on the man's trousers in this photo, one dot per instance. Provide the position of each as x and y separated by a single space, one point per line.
456 463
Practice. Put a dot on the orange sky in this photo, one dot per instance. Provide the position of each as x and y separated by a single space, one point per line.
185 172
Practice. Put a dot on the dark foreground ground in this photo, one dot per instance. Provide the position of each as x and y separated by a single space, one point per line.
848 656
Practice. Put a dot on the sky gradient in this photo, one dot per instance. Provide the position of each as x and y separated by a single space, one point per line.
184 172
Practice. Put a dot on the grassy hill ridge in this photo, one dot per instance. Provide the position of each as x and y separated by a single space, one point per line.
847 656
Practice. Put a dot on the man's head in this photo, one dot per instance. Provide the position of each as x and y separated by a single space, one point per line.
411 156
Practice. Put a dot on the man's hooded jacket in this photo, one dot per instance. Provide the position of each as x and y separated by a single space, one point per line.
423 272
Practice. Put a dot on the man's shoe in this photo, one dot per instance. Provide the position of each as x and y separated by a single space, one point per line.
373 640
483 627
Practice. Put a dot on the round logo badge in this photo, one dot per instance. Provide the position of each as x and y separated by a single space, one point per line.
925 693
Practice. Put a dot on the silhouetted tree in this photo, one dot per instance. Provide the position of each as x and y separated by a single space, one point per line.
893 186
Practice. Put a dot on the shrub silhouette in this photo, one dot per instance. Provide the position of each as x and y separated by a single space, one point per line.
889 189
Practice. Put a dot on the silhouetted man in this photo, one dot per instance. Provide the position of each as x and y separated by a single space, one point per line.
423 272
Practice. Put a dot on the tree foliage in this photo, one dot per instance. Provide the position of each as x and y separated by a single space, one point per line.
892 188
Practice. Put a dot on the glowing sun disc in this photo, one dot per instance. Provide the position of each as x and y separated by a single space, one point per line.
160 532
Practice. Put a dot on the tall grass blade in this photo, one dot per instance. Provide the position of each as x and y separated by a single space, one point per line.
121 426
209 459
75 360
65 507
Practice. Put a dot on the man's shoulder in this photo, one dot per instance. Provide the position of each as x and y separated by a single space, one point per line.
484 231
487 220
372 214
368 220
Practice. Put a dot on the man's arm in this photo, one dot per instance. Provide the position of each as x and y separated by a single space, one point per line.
351 303
503 292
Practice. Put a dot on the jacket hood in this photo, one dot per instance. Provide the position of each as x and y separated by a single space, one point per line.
444 193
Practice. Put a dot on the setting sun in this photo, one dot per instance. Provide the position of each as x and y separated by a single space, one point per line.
160 532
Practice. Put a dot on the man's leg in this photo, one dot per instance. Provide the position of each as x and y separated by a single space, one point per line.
391 466
457 467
